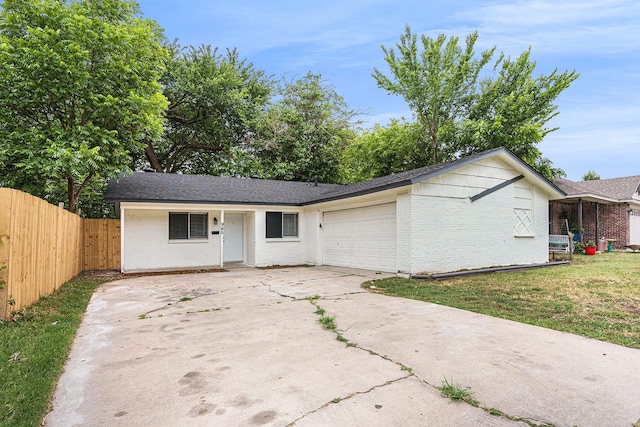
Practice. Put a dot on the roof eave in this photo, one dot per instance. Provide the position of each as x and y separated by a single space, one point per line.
505 154
378 189
201 202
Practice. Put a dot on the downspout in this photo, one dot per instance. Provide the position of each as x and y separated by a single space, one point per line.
580 233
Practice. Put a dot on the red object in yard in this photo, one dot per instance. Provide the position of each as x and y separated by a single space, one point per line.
590 250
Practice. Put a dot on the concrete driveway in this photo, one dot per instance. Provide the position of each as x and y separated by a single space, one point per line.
244 347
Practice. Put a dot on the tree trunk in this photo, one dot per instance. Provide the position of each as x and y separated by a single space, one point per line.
151 156
71 195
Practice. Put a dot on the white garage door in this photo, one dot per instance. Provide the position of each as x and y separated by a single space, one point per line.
361 237
634 228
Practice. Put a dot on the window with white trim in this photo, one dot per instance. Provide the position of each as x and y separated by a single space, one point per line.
280 224
188 226
523 210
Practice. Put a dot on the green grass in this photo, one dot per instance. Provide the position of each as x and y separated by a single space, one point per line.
33 347
456 391
596 296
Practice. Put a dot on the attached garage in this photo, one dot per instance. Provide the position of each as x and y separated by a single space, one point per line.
362 237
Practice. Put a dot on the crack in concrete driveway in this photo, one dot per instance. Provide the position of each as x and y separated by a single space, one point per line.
242 354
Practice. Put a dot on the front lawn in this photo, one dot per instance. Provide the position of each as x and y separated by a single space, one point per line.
596 296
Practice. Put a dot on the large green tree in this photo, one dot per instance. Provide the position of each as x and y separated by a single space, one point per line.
438 81
384 150
79 92
512 109
215 101
465 108
304 134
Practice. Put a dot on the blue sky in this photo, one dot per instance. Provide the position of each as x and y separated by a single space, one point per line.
599 117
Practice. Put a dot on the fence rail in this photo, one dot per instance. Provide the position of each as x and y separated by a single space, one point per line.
42 246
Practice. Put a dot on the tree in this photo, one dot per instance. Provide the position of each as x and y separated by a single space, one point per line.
511 111
79 92
214 103
304 134
465 113
383 151
590 175
438 83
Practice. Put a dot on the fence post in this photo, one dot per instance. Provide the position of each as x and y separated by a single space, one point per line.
5 250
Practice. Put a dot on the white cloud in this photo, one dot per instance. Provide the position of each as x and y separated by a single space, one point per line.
570 26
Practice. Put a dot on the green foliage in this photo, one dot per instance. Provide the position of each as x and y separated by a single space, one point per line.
78 93
327 322
463 112
511 110
456 392
383 151
438 82
303 135
590 175
215 101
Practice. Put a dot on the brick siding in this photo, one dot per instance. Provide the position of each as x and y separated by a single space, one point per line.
613 220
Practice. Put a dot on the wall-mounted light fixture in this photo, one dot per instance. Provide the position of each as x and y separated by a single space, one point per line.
215 221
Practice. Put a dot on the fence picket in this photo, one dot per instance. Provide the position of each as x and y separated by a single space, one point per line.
42 246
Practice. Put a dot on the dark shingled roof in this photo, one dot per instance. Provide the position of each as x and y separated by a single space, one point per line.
160 187
616 188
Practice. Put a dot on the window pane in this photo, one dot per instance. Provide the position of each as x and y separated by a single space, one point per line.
178 226
290 225
274 225
198 228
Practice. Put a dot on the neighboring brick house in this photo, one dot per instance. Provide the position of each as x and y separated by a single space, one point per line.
608 208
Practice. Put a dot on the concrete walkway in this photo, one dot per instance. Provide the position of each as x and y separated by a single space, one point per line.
244 348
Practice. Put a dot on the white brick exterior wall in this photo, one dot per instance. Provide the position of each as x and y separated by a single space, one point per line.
449 232
286 251
146 245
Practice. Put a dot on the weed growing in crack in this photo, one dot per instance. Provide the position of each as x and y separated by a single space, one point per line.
406 368
185 299
142 316
328 322
312 298
456 391
336 400
348 343
320 311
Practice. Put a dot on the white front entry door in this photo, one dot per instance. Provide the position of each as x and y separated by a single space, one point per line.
233 237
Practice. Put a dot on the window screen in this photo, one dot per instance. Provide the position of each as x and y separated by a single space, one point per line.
274 225
290 225
183 226
198 226
281 225
178 226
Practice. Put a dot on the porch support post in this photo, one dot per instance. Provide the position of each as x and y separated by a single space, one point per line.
580 233
221 238
597 221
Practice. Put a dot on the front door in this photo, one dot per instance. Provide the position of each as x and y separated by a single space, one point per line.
233 238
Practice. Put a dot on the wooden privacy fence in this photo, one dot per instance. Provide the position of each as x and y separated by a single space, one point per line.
42 246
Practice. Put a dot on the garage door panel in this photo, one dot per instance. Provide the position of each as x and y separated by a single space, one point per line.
634 228
361 237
